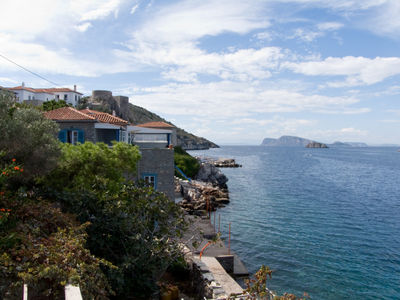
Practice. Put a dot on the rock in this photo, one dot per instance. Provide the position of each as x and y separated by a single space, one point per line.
209 173
226 163
222 200
316 145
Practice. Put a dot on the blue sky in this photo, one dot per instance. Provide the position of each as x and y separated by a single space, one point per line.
231 71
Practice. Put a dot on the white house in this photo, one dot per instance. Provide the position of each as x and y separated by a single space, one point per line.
24 93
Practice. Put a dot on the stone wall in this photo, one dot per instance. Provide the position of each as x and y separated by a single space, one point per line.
159 162
87 127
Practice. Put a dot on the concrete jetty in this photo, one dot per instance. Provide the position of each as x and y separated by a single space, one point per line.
200 232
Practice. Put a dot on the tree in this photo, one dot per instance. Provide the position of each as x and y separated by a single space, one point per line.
132 226
27 136
54 104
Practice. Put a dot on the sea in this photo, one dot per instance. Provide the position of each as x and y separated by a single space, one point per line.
326 221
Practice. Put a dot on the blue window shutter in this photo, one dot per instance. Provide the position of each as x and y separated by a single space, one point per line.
62 135
117 135
169 139
81 136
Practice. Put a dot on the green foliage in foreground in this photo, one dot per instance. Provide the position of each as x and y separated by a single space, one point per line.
43 247
94 167
133 227
28 137
187 163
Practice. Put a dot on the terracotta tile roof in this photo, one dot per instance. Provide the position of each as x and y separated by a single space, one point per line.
49 91
156 125
60 90
67 114
105 117
22 88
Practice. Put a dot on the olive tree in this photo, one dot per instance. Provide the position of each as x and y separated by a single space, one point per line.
27 136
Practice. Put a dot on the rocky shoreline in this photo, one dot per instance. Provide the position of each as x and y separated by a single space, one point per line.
220 162
207 192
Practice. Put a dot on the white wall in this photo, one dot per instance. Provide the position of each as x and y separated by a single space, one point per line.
70 97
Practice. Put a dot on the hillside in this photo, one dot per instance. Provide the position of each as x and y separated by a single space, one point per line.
188 141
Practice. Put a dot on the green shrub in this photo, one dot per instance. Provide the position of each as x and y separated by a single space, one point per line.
187 163
45 249
27 136
133 227
54 104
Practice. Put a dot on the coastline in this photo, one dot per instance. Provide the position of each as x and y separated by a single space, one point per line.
206 251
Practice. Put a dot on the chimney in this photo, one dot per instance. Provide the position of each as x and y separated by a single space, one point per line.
74 87
113 113
23 84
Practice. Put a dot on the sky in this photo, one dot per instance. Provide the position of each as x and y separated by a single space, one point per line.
231 71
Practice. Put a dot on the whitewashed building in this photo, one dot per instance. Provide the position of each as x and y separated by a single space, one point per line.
28 94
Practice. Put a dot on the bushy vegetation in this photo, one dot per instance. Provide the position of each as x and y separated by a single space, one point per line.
187 163
54 104
28 137
72 214
133 227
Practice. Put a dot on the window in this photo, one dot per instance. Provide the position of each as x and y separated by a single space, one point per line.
75 98
151 137
29 97
123 136
150 180
72 137
65 97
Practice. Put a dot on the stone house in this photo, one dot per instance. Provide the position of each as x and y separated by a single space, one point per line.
156 166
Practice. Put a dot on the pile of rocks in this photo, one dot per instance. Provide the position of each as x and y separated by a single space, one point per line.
226 163
198 196
220 162
206 193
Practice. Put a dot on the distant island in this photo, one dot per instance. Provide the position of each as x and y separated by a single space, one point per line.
295 141
348 144
287 141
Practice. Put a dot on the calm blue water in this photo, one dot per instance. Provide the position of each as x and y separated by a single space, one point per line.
326 220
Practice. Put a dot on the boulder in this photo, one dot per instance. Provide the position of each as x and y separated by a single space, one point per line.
209 173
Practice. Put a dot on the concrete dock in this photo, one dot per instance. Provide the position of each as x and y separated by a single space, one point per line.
202 231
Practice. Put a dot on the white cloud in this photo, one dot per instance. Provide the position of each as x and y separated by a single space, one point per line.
90 10
134 8
190 20
386 19
45 60
344 134
170 40
8 80
83 27
329 26
358 70
230 99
